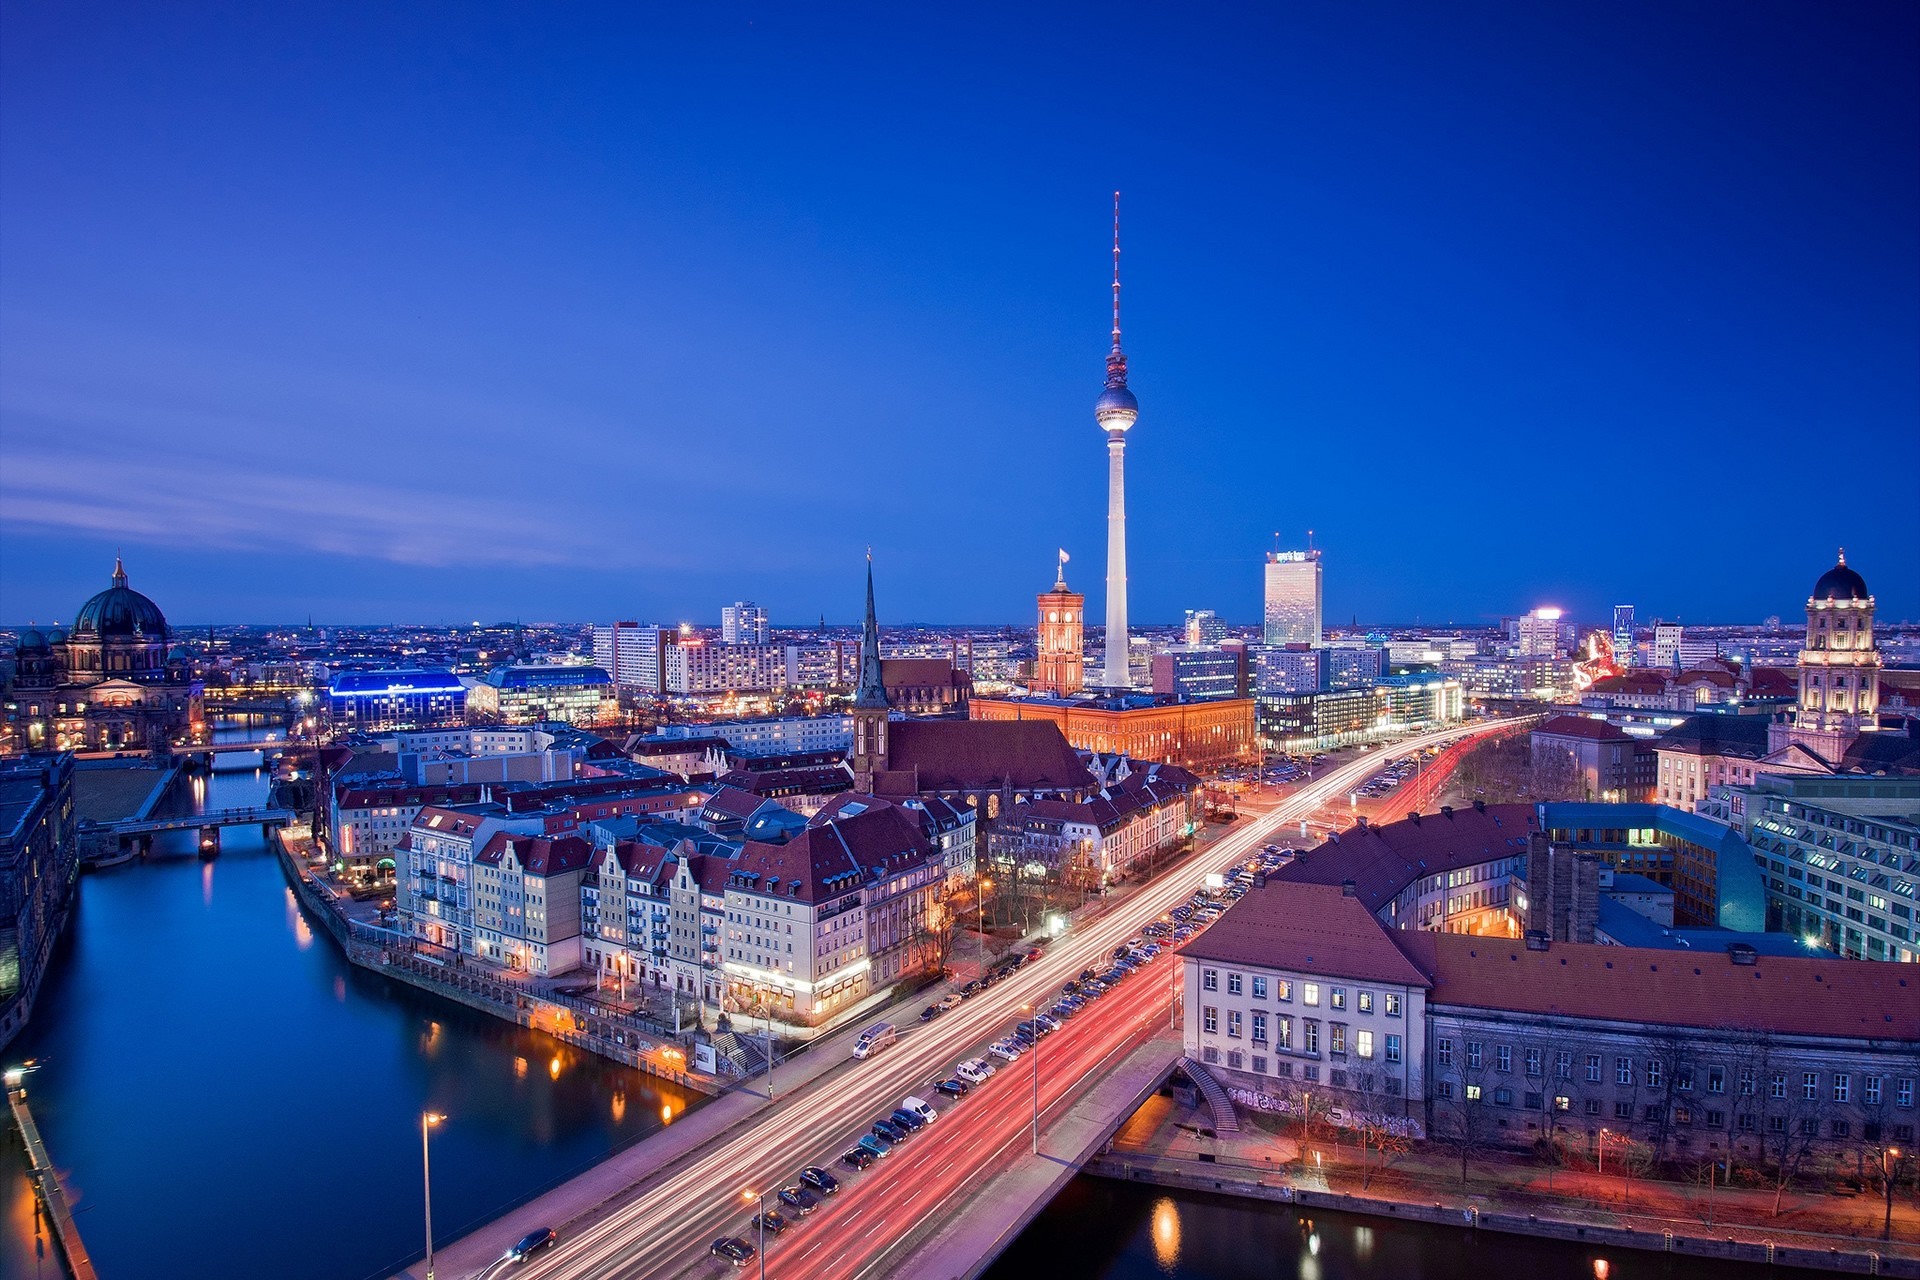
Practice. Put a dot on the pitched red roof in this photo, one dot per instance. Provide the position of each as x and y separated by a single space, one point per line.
1789 995
835 858
1313 928
1581 727
1381 861
901 673
538 855
985 755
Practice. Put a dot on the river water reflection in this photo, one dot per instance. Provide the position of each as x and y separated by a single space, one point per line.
219 1078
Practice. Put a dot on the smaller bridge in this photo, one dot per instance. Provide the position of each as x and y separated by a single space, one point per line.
266 817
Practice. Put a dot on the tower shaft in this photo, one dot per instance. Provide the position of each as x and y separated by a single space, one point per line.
1115 674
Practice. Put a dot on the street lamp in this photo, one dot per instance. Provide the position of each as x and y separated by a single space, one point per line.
427 1120
752 1197
1034 1021
1886 1185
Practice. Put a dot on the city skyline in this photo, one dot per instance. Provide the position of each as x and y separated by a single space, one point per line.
1562 292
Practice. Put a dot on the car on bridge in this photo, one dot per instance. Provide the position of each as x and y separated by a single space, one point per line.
532 1243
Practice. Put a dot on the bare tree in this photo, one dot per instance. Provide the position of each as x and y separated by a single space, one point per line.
1668 1064
1376 1125
1461 1121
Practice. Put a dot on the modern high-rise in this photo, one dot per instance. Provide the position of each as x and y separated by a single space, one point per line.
1623 654
633 654
1666 646
743 622
1059 664
1538 634
1116 410
1293 597
1204 627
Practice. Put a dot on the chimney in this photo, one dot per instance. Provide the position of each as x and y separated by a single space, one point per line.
1446 811
1347 889
1742 953
1538 940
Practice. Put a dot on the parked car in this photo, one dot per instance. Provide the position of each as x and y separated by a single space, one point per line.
975 1070
953 1087
819 1180
770 1222
949 1001
875 1145
733 1249
861 1157
873 1040
906 1120
532 1243
929 1013
887 1131
799 1199
1046 1021
920 1108
1005 1050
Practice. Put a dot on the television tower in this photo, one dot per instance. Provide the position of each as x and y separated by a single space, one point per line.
1115 411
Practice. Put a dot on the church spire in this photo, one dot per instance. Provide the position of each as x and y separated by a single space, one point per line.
872 691
119 571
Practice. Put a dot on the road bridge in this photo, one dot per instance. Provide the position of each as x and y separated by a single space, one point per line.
653 1210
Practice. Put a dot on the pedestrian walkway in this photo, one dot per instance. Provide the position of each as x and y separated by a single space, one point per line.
46 1180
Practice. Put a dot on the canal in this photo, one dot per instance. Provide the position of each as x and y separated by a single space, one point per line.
226 1095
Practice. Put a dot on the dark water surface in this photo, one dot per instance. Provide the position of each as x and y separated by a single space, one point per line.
1102 1230
218 1076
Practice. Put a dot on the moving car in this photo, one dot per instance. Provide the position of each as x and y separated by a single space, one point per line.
532 1243
733 1249
819 1180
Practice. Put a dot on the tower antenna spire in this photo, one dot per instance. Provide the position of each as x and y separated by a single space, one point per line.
1116 272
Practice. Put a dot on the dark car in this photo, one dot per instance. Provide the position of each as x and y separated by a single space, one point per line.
1088 975
1025 1039
905 1119
770 1222
819 1179
1119 951
532 1243
929 1013
889 1132
733 1249
1070 988
859 1158
799 1199
954 1088
878 1146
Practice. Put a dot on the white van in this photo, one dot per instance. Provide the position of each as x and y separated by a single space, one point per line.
920 1109
974 1070
874 1039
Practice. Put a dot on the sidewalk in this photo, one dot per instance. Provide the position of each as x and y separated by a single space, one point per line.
1504 1183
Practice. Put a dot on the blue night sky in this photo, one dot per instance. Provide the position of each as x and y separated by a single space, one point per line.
470 311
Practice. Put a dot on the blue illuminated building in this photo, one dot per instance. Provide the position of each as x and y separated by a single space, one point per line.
378 701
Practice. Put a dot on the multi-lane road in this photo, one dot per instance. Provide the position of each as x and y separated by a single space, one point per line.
667 1225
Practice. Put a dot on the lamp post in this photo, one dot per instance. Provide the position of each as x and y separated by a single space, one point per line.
760 1198
1886 1186
1602 1168
427 1120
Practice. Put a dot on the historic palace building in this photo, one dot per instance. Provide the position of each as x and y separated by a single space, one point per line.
1194 735
110 683
1839 668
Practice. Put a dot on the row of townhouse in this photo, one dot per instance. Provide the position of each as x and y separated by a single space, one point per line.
1109 835
1299 997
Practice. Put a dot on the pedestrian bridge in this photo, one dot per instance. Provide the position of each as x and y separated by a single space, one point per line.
266 817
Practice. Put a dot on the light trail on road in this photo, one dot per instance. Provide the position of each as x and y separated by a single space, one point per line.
664 1229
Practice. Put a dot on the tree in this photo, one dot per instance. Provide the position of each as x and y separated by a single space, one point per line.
1376 1124
1668 1061
934 928
1461 1122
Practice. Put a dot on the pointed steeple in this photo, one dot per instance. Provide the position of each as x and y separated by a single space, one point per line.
119 571
872 690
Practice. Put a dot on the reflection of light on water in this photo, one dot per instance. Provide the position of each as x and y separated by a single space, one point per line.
553 1068
619 1106
1313 1244
666 1113
1309 1268
206 882
1363 1241
1166 1234
339 988
1600 1268
519 1068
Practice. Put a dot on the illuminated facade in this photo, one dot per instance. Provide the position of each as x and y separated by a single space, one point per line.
1839 696
110 683
380 701
1293 598
1060 666
1194 735
527 695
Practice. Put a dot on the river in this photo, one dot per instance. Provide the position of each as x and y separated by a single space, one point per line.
226 1095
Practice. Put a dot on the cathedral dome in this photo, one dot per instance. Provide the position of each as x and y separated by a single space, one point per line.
30 641
57 636
120 612
1841 583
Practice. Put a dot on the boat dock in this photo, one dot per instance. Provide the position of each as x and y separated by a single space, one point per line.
47 1183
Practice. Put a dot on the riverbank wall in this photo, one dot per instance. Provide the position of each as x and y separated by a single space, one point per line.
643 1048
1857 1257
